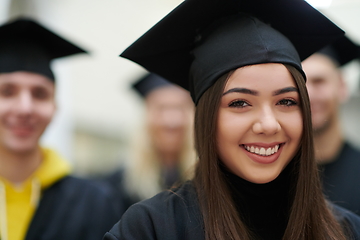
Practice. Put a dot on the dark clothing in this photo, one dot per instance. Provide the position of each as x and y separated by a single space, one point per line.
73 209
121 197
265 207
168 215
341 179
175 215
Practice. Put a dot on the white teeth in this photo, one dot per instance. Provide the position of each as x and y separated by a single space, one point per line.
262 151
268 151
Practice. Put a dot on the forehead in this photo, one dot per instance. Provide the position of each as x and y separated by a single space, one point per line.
261 77
319 65
26 79
168 94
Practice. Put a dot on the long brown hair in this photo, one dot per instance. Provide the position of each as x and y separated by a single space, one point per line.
309 216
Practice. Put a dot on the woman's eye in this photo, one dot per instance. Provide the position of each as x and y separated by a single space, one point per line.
238 104
287 102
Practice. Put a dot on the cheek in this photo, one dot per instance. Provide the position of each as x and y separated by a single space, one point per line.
6 106
231 129
4 110
155 130
47 111
154 117
294 125
328 92
225 127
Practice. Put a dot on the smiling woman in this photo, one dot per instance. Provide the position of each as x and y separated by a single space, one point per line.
256 177
264 98
276 108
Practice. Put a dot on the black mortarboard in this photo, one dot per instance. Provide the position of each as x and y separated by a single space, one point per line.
27 46
148 83
200 40
342 51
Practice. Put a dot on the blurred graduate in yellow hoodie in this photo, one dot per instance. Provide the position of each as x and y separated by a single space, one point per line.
38 197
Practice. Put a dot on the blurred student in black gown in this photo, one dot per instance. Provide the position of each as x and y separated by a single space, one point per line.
161 150
338 159
39 199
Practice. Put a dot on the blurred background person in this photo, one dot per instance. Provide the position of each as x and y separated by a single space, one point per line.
339 161
38 197
162 150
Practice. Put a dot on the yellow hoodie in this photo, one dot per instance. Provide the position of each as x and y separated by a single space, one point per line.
19 202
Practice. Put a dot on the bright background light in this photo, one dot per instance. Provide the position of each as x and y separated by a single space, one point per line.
319 3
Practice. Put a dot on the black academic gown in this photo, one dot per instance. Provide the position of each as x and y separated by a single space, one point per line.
175 215
341 179
121 195
73 209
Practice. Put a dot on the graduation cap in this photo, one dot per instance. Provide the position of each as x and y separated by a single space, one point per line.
201 40
148 83
27 46
342 51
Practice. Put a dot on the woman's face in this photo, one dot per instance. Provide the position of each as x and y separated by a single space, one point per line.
259 124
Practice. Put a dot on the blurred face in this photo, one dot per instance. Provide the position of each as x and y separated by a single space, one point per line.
259 122
326 90
170 113
26 108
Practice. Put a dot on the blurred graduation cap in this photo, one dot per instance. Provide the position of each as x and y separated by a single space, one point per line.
201 40
25 45
342 51
148 83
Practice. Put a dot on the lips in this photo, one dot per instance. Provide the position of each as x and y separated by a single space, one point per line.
22 131
263 154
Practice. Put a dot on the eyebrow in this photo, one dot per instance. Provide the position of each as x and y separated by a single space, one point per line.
241 90
285 90
256 93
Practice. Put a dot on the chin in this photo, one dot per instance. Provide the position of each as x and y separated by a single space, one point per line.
22 147
263 178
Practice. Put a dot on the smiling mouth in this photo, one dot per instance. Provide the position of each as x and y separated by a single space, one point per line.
22 130
261 151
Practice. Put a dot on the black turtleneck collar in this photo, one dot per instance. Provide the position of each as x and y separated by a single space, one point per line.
263 207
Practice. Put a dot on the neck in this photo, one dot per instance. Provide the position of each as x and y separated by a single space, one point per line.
17 167
328 143
263 207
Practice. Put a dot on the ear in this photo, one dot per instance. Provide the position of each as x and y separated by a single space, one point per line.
343 90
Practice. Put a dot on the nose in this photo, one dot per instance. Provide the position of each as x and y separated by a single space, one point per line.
267 122
24 104
172 118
